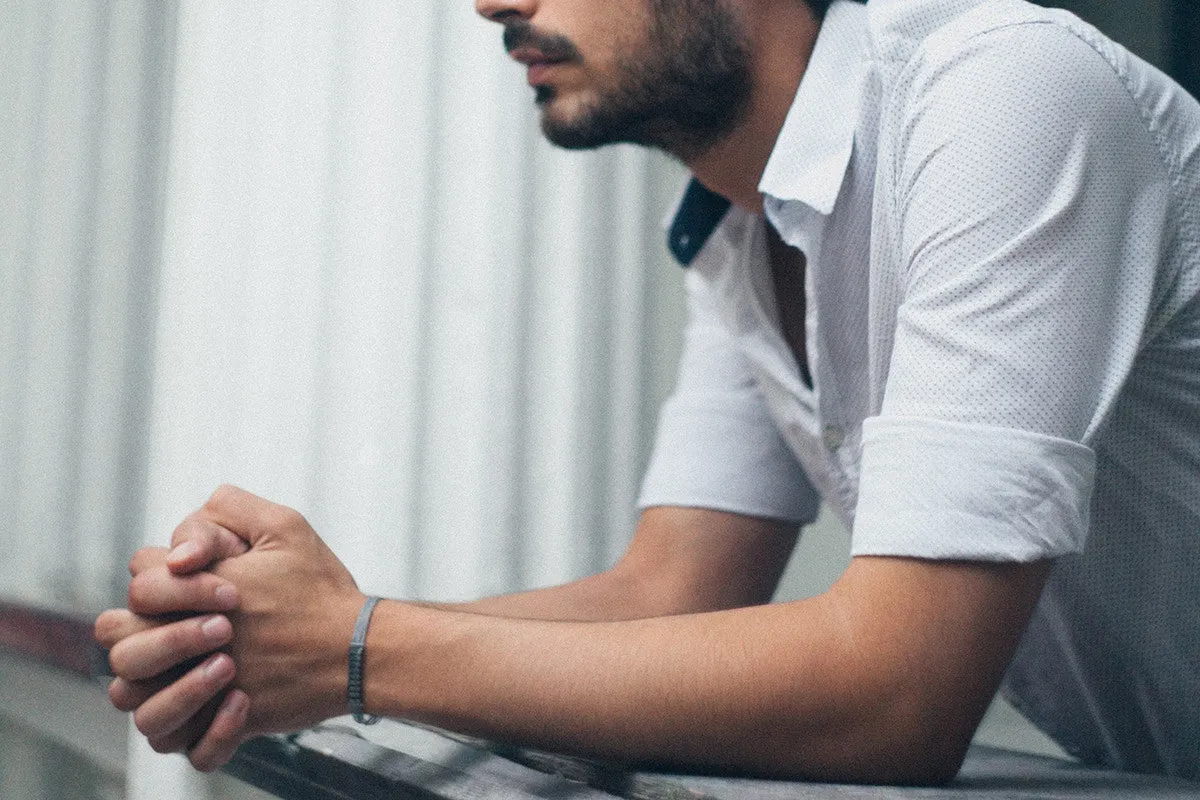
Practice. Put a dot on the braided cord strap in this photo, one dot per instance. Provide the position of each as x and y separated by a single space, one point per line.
358 653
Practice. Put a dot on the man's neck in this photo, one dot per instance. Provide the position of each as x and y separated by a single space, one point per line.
782 38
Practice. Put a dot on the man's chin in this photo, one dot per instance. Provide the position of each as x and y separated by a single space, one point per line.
575 132
570 138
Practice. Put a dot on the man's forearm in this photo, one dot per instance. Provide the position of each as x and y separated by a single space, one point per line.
608 596
681 561
811 689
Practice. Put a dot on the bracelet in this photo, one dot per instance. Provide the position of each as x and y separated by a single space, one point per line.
358 652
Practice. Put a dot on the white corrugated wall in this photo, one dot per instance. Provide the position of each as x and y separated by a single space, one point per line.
363 286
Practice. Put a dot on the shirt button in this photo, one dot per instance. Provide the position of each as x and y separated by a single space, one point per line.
833 436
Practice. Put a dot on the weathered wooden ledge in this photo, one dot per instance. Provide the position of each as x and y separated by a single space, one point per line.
335 762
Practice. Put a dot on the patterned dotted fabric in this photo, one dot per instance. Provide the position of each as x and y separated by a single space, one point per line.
1000 210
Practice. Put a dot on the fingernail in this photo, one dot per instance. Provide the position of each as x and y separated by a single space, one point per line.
183 552
219 667
227 596
216 629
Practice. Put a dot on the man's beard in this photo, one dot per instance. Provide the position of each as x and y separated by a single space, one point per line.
683 90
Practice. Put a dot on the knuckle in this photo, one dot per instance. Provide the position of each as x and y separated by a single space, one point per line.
162 746
210 752
104 631
202 761
140 592
124 695
229 541
196 529
195 691
184 530
123 703
157 728
117 694
205 534
221 495
145 724
182 639
284 518
146 558
156 591
117 660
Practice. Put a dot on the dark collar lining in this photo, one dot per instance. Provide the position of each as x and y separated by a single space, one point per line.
699 213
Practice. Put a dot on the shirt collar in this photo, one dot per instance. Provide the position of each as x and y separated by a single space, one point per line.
812 153
810 157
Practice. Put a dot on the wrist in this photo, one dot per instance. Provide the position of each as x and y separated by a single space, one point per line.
334 646
404 664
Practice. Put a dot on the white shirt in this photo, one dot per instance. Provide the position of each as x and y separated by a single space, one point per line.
1000 212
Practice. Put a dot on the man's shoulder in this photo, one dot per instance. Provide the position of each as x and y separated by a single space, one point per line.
906 31
961 64
1013 41
1046 58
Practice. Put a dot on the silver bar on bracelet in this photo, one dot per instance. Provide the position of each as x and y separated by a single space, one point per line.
358 653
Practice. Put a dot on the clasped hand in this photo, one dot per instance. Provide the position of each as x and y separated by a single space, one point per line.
240 628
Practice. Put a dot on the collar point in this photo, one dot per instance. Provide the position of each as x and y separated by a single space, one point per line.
700 211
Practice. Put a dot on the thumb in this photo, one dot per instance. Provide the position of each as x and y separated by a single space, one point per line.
198 543
252 518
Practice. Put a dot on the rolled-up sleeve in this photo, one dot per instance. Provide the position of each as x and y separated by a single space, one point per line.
716 445
1007 495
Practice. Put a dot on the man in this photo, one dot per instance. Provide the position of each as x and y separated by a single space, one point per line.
944 274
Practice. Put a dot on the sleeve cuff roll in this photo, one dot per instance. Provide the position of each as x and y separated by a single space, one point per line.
943 490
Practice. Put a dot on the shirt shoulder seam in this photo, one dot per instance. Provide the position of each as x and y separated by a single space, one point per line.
1173 170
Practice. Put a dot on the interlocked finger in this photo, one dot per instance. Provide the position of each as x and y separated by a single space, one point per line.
151 652
226 732
117 623
129 695
156 591
171 708
182 738
146 558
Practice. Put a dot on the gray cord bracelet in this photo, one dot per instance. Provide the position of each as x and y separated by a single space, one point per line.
358 652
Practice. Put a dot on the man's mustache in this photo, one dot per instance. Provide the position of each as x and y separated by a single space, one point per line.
553 47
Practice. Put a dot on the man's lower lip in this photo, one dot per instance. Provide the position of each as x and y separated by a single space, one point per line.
537 73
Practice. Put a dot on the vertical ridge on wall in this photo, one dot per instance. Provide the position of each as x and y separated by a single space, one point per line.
82 120
558 478
377 220
25 114
472 215
408 573
510 535
632 312
117 362
51 383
